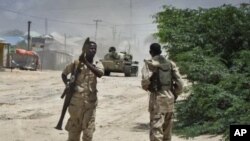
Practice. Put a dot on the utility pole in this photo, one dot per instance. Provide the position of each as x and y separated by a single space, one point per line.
131 19
29 22
96 27
114 32
46 26
131 26
65 42
119 37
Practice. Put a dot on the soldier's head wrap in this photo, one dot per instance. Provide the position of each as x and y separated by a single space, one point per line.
155 48
112 49
87 44
92 44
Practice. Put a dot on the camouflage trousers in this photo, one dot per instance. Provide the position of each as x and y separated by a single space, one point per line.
161 105
160 126
82 119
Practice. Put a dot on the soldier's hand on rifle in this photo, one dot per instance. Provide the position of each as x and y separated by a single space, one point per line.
152 67
82 58
65 79
147 61
67 84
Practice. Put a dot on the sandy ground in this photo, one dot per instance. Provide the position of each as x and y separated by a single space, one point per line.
30 107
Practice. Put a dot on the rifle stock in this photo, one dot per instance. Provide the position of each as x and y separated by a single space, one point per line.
68 93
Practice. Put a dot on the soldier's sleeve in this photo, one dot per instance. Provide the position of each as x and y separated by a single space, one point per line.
175 71
68 69
177 79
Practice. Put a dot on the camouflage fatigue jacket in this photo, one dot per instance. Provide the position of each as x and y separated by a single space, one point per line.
162 100
86 81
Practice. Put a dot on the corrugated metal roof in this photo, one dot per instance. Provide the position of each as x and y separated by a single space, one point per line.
1 40
33 34
13 40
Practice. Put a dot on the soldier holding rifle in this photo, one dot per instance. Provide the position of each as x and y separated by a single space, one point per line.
164 83
81 94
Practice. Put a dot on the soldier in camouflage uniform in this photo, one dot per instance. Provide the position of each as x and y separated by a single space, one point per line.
161 102
83 104
112 55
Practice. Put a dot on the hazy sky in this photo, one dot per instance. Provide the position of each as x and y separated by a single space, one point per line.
76 16
120 18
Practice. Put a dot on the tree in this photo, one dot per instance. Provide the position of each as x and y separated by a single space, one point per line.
211 47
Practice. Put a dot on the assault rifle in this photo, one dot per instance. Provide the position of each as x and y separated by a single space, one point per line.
155 83
68 92
70 88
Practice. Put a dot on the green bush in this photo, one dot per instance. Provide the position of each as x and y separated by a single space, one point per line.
211 47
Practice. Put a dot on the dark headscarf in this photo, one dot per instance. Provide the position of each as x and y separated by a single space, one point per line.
112 49
155 48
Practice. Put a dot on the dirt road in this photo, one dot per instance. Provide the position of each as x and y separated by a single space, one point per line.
30 107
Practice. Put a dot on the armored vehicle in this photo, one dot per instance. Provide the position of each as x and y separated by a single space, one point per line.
122 64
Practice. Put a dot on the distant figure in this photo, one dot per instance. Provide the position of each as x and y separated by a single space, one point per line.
158 80
112 55
82 107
